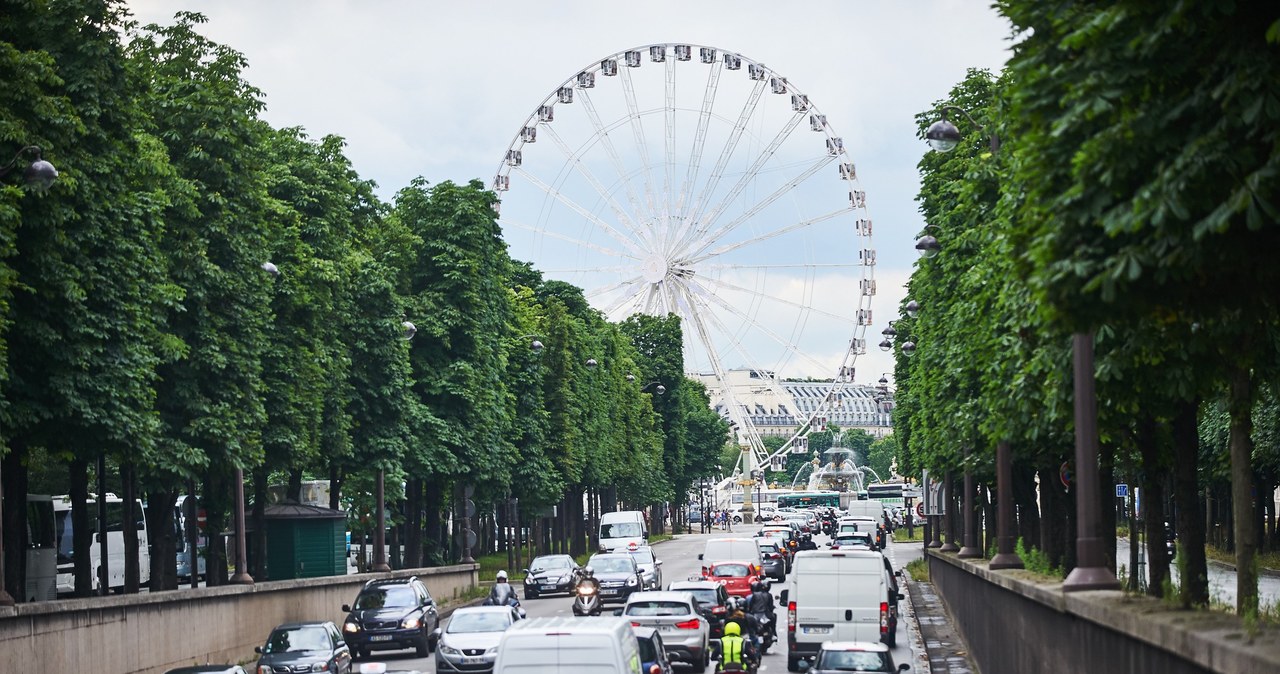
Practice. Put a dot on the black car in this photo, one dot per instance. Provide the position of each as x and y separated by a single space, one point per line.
305 647
550 573
619 575
391 614
713 601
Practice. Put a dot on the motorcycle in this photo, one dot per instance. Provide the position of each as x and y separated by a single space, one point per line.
764 631
586 599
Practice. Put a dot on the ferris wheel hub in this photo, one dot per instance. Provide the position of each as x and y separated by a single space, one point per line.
655 269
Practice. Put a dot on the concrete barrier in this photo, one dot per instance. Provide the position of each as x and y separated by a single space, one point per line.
1014 621
154 632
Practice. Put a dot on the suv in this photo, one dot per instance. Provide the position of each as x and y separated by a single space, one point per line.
685 633
390 614
618 573
713 601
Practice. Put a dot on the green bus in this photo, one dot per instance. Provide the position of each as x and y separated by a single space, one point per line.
809 499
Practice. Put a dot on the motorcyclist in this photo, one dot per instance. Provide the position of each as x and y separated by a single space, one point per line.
748 627
502 593
761 603
589 579
735 652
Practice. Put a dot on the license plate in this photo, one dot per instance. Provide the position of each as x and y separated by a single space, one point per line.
380 637
608 592
666 628
548 587
472 660
817 630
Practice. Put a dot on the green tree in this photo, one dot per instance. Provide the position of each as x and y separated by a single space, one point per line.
881 455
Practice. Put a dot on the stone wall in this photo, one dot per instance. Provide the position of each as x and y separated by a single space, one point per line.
153 632
1014 621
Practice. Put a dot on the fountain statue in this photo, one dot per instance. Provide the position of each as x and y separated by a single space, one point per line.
839 473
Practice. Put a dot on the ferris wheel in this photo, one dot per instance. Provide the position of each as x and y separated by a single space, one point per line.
678 178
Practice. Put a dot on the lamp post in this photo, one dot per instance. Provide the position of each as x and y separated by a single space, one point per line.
39 175
242 576
943 136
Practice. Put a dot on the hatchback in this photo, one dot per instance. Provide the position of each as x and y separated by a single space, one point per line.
469 642
735 576
304 647
855 656
686 635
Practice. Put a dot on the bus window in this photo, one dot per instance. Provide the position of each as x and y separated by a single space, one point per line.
40 525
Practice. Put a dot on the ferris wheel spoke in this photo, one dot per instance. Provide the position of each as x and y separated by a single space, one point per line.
774 298
604 290
568 239
669 128
637 130
651 299
700 135
717 171
628 298
703 223
768 235
798 265
615 269
765 330
560 196
614 157
573 157
755 209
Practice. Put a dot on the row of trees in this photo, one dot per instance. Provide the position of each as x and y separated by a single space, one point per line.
203 292
1134 196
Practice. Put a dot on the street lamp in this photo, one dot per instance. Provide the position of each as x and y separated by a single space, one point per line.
927 245
39 175
912 308
659 389
943 136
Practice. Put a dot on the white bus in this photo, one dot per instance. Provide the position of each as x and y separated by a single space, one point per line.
183 551
115 543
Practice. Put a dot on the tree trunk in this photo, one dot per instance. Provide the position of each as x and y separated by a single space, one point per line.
578 546
413 523
1106 494
1052 537
217 490
989 519
1028 510
129 527
431 552
1153 497
162 532
15 525
293 491
1246 535
335 486
82 535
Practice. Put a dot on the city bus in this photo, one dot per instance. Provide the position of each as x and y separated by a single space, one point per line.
888 494
65 532
810 499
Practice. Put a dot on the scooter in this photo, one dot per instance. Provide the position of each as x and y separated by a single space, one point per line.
765 631
586 600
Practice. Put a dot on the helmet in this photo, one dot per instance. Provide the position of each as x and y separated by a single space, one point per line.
758 587
588 572
502 575
738 603
732 628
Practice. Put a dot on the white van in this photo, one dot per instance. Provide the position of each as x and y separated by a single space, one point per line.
836 595
567 645
739 549
623 530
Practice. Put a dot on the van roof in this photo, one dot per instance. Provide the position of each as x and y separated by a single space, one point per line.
559 625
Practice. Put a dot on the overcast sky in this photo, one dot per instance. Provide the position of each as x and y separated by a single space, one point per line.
439 89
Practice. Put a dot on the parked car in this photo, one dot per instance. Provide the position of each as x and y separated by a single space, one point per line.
650 567
469 642
388 614
653 655
551 573
736 576
208 669
713 601
686 634
855 656
695 515
305 647
618 573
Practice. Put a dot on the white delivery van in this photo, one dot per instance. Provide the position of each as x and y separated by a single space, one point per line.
836 595
567 645
623 531
739 549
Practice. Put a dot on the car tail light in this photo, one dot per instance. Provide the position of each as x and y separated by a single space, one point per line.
719 610
884 617
689 624
636 624
791 617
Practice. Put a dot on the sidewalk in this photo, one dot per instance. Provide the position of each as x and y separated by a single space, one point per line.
946 652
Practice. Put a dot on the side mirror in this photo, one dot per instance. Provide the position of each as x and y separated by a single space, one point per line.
903 667
657 562
783 597
699 555
617 612
900 597
520 612
435 634
257 649
346 608
898 573
526 572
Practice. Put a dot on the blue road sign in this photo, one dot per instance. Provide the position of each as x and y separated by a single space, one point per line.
1122 491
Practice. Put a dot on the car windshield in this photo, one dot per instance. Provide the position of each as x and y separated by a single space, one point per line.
730 571
707 596
390 597
298 639
657 608
854 661
770 546
547 563
620 530
643 556
612 565
479 621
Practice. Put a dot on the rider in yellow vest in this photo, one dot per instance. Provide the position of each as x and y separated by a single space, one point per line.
732 645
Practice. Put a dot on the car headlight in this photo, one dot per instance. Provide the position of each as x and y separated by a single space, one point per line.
350 627
632 581
449 650
562 579
320 667
412 623
491 650
528 580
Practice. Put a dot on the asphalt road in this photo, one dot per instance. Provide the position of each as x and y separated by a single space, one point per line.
680 561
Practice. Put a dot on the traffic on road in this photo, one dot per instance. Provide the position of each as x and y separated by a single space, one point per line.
785 594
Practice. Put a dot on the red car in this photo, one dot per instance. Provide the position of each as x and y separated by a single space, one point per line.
736 577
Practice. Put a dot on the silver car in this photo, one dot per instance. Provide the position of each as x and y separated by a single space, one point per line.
469 643
686 635
650 566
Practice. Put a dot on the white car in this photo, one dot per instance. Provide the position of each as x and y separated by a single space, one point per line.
469 642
